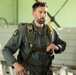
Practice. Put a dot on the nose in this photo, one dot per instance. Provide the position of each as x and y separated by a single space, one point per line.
43 14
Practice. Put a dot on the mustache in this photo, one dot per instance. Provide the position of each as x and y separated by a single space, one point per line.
42 18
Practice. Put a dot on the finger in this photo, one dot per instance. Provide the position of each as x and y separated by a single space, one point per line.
47 50
21 73
18 73
57 48
24 71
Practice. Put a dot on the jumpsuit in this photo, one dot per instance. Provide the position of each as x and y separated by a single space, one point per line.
39 60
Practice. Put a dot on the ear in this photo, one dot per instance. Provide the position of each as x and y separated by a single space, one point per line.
33 13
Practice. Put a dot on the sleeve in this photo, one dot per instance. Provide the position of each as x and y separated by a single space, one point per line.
59 42
12 46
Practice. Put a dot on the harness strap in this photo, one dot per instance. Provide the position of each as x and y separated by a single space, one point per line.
42 49
31 37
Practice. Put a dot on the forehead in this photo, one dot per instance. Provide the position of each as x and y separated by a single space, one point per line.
40 8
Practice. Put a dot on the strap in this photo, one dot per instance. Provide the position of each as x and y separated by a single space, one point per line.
42 49
31 37
31 34
27 59
29 26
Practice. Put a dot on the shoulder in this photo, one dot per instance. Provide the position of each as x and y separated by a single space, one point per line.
49 27
24 27
55 31
20 30
52 29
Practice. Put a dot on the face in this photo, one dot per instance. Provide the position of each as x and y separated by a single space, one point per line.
40 14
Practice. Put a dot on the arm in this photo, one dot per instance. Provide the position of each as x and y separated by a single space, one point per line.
58 44
11 47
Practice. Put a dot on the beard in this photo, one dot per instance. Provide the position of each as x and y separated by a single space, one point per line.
41 20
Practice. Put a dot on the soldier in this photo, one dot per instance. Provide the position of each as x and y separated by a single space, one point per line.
36 44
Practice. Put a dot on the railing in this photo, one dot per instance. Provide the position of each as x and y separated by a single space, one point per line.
3 22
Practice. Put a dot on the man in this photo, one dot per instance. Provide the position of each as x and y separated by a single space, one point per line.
38 61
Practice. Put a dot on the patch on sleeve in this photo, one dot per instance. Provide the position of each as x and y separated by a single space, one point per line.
15 32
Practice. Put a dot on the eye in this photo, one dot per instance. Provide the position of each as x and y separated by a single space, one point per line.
45 12
40 12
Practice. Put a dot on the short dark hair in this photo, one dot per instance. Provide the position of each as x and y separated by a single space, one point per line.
37 4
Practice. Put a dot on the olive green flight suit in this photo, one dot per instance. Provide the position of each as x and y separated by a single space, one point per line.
39 60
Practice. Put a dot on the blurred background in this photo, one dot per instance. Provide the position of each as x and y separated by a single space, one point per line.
61 13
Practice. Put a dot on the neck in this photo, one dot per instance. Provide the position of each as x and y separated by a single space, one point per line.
38 25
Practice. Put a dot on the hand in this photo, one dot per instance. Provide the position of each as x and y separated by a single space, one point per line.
19 69
52 47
